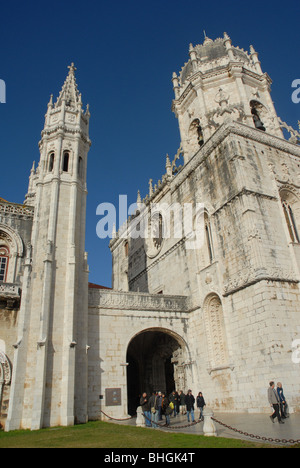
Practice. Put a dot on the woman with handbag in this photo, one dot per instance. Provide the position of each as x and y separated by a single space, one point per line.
166 409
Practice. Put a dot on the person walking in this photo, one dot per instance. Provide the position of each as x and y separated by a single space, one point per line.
282 399
274 402
190 401
200 404
144 402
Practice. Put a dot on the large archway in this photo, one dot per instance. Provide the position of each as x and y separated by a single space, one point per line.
155 363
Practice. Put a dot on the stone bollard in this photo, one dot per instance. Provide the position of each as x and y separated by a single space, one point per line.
140 419
209 429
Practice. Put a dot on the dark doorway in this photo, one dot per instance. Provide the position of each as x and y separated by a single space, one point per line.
150 368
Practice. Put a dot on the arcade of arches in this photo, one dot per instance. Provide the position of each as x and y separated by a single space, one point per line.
155 363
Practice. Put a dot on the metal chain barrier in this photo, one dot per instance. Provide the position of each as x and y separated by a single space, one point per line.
150 420
252 436
115 419
227 426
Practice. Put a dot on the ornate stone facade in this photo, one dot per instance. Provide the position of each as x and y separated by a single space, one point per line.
220 318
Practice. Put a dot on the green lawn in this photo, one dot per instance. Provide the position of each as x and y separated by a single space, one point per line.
106 435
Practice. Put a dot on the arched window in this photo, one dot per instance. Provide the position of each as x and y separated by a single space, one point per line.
12 249
157 230
291 209
155 236
126 249
4 258
196 133
66 158
51 162
208 236
256 111
80 167
291 223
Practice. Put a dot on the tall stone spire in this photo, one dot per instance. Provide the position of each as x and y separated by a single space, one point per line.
69 91
57 293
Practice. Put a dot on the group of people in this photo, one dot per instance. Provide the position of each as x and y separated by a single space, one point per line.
278 402
159 404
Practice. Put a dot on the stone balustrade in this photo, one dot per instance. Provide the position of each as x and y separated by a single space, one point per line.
10 295
109 299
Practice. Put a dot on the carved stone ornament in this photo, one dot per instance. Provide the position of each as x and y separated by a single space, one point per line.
5 369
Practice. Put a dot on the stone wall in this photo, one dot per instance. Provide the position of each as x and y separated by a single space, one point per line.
114 320
244 299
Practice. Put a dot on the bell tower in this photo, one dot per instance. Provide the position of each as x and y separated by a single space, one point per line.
50 357
221 83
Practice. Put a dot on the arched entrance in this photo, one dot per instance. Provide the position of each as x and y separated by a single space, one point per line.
155 363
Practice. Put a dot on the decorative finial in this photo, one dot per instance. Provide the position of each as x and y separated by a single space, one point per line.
50 103
168 166
72 68
207 40
150 188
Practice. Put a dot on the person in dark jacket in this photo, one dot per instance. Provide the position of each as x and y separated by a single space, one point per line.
173 397
190 401
166 410
145 404
282 399
159 403
274 402
177 402
200 405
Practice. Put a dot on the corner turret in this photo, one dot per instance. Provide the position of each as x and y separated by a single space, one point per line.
221 83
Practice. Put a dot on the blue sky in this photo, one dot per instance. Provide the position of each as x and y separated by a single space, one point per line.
125 53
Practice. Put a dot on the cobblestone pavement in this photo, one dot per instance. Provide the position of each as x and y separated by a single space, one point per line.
256 424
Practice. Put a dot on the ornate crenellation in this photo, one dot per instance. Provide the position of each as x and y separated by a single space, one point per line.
252 276
294 134
15 209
